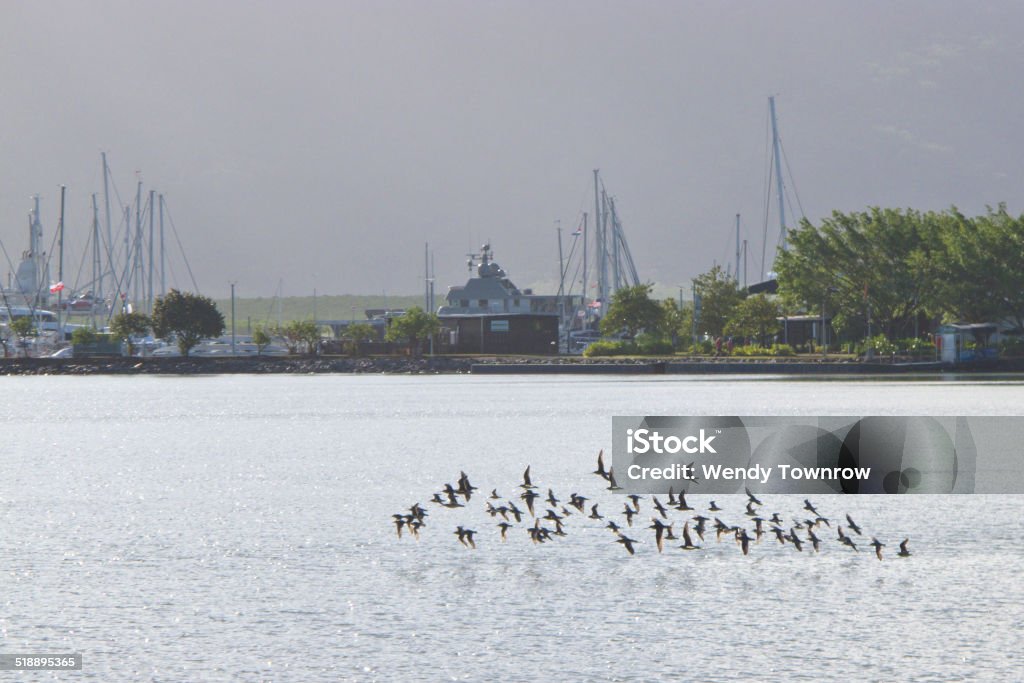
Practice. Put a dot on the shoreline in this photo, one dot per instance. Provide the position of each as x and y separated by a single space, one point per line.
483 365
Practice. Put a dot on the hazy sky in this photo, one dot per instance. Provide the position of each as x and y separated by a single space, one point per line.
322 143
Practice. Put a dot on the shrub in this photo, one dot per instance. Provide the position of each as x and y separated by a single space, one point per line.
651 345
781 350
610 347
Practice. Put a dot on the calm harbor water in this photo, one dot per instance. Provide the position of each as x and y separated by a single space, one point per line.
239 528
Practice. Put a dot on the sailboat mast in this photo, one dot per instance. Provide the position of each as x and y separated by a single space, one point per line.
778 174
737 247
110 243
163 274
97 262
149 299
60 268
602 271
137 248
584 298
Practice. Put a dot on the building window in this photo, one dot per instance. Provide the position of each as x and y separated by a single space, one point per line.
482 303
464 303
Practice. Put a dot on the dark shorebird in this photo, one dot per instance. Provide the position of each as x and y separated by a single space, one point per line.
539 534
594 514
672 496
577 501
465 537
682 503
529 496
699 526
629 512
527 484
437 499
809 507
853 525
399 523
504 526
659 532
775 519
613 526
752 497
846 540
516 512
819 520
878 547
418 511
612 485
494 494
687 541
465 488
815 541
795 540
720 528
601 471
660 508
751 510
779 534
693 477
552 501
744 541
636 501
566 512
758 528
714 508
904 552
552 515
414 525
627 542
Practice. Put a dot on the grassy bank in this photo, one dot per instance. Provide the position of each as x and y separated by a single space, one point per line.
264 310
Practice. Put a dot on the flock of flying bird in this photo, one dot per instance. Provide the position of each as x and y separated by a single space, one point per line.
558 511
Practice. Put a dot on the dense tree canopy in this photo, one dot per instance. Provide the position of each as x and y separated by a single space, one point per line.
632 311
413 327
189 317
301 333
718 295
756 316
891 266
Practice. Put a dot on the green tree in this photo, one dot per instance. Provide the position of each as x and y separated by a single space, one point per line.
301 332
189 317
23 328
677 323
261 338
83 335
357 333
633 311
719 295
125 326
756 316
412 328
860 266
978 267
